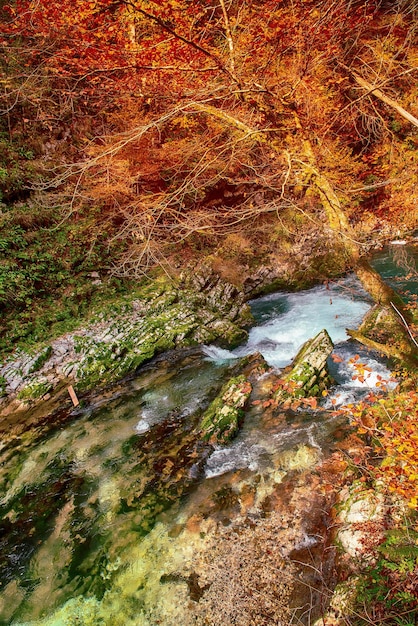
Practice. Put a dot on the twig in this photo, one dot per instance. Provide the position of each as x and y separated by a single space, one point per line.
404 323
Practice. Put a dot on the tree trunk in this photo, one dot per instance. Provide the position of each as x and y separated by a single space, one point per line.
337 218
379 94
380 291
391 351
371 280
373 283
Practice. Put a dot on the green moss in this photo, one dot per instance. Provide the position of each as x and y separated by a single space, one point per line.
221 421
156 317
167 319
77 611
41 359
35 390
385 587
308 375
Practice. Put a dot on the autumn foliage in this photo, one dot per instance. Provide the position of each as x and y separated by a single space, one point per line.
174 125
206 117
146 133
391 426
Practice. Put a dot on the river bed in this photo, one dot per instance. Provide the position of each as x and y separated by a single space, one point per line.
117 513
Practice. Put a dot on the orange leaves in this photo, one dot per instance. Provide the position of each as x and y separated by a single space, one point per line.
265 403
82 35
363 371
393 424
311 402
118 41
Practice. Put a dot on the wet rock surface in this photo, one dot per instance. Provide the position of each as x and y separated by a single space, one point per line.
134 530
221 421
308 374
200 308
259 568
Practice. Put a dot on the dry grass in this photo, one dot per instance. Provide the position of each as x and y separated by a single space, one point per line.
250 582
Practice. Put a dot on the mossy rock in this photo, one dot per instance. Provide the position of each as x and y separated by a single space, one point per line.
383 325
3 384
308 375
221 422
35 390
41 359
160 316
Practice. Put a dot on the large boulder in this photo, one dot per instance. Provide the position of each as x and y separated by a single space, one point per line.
221 421
224 416
308 375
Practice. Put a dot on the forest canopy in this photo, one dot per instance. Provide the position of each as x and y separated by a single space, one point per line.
170 125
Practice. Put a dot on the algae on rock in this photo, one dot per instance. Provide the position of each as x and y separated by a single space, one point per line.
308 375
385 330
161 316
221 421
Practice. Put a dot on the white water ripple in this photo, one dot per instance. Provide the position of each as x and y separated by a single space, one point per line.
293 319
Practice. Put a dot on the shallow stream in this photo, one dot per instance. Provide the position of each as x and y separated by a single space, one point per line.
117 512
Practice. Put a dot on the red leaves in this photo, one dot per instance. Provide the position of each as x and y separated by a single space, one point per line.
84 34
120 43
311 402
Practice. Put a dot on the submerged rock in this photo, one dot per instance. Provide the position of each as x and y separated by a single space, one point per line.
308 375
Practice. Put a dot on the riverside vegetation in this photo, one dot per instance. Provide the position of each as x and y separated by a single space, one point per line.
146 141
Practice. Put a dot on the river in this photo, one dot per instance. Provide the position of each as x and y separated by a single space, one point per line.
117 513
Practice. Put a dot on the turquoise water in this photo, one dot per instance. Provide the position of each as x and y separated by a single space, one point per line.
398 265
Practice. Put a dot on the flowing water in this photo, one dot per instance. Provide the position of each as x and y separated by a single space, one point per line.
117 512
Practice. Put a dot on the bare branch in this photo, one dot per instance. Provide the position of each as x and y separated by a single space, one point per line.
375 91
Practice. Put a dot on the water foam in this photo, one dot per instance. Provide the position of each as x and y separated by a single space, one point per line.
352 387
287 320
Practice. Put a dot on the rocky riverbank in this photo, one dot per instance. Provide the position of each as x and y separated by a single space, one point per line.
203 305
199 308
286 520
